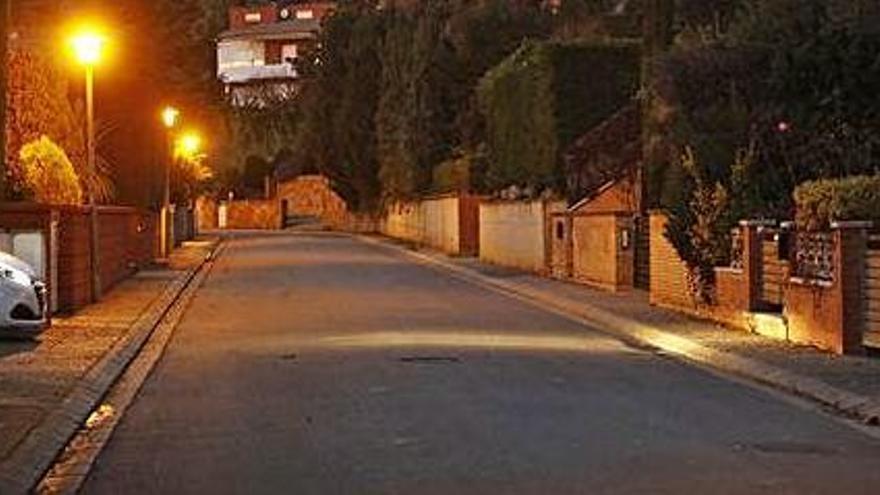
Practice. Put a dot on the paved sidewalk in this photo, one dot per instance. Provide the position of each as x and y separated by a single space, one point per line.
37 378
849 384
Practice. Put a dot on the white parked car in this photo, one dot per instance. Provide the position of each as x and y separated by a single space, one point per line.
22 299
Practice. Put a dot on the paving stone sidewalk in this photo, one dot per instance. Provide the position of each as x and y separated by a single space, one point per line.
36 377
856 374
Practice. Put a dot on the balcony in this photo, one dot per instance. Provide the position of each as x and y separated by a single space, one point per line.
248 73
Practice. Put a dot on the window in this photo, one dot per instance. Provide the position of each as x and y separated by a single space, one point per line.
288 53
305 14
253 18
234 54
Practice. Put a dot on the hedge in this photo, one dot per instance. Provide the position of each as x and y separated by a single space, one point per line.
543 97
821 202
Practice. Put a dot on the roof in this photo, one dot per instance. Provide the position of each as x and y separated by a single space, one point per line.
293 29
606 153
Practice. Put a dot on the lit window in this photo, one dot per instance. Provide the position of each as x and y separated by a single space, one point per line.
305 14
253 17
288 53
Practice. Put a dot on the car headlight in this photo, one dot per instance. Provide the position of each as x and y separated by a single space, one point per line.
17 276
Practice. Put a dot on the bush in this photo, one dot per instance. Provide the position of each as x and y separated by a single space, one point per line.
543 97
48 175
700 223
821 202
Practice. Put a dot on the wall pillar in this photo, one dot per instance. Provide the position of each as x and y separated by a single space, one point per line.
752 248
830 314
851 248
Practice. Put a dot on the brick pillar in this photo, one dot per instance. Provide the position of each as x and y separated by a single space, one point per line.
751 232
851 245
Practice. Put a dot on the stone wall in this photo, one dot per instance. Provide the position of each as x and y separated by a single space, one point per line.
313 196
253 214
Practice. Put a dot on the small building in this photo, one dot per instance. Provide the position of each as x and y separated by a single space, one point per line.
258 56
602 239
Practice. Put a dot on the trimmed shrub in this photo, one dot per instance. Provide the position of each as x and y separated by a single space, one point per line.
48 175
821 202
543 97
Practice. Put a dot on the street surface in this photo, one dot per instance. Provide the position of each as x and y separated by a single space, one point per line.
323 365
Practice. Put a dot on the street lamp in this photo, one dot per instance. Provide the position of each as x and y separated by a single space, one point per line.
190 145
88 46
170 116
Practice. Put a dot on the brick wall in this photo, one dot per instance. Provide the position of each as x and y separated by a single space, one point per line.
669 282
128 240
829 315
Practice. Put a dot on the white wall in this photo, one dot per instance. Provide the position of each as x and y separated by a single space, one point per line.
513 234
441 224
431 222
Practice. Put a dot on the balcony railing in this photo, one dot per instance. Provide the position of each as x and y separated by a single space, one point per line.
244 74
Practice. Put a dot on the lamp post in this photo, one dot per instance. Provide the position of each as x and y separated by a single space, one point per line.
170 116
88 46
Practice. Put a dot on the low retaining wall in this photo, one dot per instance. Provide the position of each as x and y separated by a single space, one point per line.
128 240
825 313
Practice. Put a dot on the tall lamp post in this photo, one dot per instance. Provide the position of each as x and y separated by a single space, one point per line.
88 46
170 116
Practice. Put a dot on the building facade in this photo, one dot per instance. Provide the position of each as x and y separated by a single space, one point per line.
258 56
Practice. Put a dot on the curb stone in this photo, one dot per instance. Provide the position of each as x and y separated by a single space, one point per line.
22 470
863 408
74 464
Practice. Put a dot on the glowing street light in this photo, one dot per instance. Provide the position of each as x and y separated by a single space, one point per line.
170 117
189 145
88 46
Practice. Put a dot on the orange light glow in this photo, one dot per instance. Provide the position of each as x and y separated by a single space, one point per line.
170 116
88 45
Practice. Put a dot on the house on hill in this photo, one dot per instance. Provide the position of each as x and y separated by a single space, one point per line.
257 56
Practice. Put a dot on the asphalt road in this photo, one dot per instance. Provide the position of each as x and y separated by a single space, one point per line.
322 365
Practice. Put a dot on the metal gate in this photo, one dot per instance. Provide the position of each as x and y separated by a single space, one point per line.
772 270
872 294
642 275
